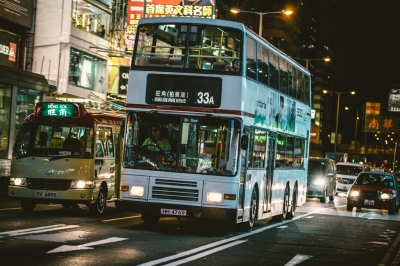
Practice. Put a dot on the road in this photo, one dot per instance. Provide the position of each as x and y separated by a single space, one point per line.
320 234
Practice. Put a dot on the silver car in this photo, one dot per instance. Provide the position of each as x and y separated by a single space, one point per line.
321 179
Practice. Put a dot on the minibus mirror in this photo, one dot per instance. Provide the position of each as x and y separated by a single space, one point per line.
244 142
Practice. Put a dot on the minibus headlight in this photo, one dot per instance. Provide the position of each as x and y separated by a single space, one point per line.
137 191
18 181
81 184
214 197
320 181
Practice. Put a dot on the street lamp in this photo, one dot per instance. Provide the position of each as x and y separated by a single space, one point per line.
337 110
261 14
326 59
355 136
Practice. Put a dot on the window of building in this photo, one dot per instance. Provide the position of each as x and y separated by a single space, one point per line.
90 18
87 71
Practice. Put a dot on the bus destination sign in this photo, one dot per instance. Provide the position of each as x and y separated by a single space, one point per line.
60 110
184 91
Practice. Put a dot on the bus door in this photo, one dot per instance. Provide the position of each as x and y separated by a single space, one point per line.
270 160
244 163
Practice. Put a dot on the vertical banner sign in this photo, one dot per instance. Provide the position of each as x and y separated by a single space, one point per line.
394 99
123 79
165 8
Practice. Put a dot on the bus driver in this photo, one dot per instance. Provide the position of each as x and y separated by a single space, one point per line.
156 139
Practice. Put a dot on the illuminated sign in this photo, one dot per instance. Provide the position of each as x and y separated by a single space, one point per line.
184 91
60 110
376 124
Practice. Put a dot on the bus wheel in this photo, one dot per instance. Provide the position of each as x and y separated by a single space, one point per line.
150 218
100 204
27 205
290 214
282 217
248 226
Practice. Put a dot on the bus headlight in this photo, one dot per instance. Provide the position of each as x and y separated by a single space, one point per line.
81 184
214 197
137 191
18 181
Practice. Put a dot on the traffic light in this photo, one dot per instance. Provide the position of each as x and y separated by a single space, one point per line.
382 165
353 160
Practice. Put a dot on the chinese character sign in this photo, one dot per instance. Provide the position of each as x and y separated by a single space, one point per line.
164 8
381 124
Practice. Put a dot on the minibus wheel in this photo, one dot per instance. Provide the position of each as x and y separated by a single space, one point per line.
27 205
100 204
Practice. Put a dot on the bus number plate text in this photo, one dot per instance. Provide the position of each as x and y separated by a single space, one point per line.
173 212
46 194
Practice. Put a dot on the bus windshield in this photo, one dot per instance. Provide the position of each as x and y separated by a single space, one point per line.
51 139
174 143
201 47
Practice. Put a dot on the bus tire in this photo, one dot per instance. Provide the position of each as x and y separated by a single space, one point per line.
100 204
248 225
285 205
291 213
27 205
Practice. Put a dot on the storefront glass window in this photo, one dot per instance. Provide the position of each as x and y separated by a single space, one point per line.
5 107
26 101
90 18
87 71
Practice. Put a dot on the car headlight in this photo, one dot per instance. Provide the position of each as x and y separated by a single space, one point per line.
137 191
385 195
214 197
18 181
82 184
320 182
354 193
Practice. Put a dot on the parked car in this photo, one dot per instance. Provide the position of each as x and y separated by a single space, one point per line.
375 190
346 174
321 179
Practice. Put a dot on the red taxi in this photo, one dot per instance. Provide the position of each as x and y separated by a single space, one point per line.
375 190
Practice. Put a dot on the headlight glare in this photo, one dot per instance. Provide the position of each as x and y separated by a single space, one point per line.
18 181
354 193
320 181
385 196
214 197
137 191
82 184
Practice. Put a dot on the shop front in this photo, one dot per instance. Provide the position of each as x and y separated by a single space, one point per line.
19 92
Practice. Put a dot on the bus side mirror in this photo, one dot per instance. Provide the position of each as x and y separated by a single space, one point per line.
184 148
244 142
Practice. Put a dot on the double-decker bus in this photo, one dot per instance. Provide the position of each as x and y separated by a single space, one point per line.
236 113
66 154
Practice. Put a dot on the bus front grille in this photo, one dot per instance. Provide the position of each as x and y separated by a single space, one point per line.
175 190
48 184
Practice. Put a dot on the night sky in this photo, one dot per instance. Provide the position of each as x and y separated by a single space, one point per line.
367 57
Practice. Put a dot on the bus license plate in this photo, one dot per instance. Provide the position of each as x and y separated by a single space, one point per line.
369 202
46 194
173 212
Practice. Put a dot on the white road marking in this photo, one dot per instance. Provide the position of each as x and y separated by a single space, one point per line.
297 259
36 230
222 242
281 227
66 248
206 253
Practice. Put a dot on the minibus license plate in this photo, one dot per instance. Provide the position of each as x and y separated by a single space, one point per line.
369 202
173 212
46 194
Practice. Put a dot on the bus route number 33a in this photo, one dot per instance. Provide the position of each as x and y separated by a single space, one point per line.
205 98
173 212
